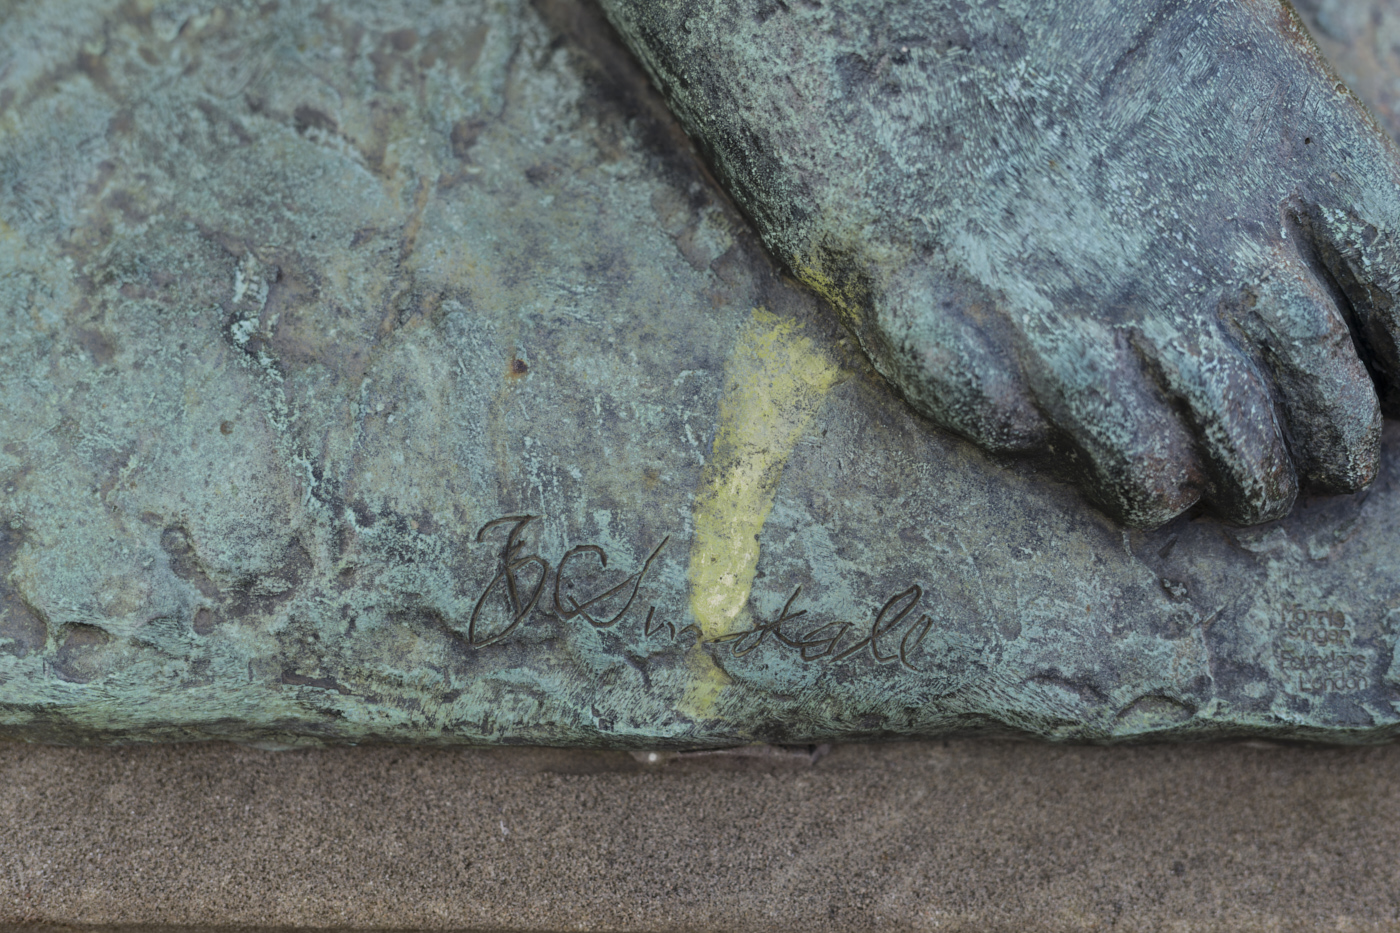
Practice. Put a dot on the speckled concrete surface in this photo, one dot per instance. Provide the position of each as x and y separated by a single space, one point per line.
969 835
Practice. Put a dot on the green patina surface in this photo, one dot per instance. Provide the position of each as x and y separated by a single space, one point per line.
397 373
1155 243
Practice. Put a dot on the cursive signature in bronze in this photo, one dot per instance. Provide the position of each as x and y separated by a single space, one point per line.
522 580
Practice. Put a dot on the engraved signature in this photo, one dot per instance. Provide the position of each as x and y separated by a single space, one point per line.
521 582
822 642
521 594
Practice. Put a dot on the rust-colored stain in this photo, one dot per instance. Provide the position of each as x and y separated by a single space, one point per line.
517 369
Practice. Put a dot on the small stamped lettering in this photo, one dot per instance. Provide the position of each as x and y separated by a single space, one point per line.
1316 650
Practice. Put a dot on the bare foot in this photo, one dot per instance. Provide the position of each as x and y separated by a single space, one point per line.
1158 241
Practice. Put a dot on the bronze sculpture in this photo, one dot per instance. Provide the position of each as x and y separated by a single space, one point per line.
399 374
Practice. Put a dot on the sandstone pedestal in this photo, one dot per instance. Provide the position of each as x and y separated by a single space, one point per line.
965 836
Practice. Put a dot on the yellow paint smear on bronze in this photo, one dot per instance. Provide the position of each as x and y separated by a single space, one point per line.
844 293
775 382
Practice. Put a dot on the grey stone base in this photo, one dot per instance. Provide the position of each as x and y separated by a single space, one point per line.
964 835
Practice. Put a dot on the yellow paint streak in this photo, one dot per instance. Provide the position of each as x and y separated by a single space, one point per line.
775 382
812 273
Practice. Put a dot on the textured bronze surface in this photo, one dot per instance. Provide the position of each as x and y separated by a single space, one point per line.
397 373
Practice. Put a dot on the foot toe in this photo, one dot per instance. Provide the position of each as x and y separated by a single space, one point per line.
1231 414
1364 260
931 341
1128 448
1329 405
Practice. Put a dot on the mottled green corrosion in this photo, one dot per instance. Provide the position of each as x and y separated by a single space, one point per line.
391 372
1154 243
